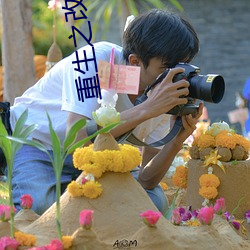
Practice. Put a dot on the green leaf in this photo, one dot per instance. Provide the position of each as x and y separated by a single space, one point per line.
35 144
24 134
71 136
5 144
56 147
172 207
177 5
157 4
20 123
132 7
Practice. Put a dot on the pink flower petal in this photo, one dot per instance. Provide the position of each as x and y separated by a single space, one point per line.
150 217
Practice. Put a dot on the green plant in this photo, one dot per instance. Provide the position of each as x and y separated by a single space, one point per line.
60 152
4 193
10 148
42 31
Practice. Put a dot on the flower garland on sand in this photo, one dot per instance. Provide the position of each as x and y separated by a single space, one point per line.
223 142
208 186
219 143
104 155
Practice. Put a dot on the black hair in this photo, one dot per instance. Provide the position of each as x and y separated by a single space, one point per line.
161 34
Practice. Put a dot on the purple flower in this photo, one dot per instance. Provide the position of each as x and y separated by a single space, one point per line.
248 216
228 216
195 214
236 224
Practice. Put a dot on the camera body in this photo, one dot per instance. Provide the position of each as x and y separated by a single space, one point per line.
209 88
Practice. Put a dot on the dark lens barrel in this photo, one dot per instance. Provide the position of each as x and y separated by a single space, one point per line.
209 88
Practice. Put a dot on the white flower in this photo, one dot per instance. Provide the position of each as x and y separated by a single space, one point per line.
105 116
217 127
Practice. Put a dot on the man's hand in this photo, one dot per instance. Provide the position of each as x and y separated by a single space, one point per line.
188 125
167 94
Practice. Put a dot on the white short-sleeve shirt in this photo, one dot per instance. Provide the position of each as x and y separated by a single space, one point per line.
55 94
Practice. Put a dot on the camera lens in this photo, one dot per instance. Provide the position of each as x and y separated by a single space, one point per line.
209 88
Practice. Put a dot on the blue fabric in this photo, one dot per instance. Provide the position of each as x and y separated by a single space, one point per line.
156 194
33 174
246 95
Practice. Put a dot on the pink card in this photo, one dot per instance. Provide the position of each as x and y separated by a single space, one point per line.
238 115
122 78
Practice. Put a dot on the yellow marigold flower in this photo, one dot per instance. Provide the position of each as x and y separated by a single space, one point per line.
193 223
99 158
208 192
209 180
180 177
131 157
164 186
97 162
114 160
206 141
226 140
92 189
28 240
93 169
75 189
67 242
83 156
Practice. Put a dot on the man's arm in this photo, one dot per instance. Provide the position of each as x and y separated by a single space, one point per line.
152 172
163 98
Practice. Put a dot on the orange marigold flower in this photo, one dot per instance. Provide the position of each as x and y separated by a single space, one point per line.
24 239
208 192
164 186
180 177
225 139
209 180
206 141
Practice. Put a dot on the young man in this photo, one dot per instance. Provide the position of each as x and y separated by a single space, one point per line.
154 41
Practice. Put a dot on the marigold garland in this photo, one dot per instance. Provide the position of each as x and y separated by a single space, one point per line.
98 162
180 177
208 192
208 186
206 141
226 139
95 163
209 180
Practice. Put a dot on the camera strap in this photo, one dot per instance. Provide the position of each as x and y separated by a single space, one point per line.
131 138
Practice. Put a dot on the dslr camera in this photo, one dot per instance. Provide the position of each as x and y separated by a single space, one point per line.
209 88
